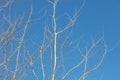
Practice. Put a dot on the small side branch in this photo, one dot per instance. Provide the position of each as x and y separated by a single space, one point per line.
72 69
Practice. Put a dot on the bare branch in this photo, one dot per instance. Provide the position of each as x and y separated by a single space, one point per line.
75 67
72 20
5 5
55 39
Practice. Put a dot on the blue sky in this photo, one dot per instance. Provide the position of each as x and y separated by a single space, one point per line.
96 17
103 15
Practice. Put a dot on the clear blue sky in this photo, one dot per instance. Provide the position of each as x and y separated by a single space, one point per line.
96 17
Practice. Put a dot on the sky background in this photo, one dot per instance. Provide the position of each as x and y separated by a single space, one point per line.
96 17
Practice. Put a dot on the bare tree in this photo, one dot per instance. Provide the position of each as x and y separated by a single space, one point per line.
17 61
